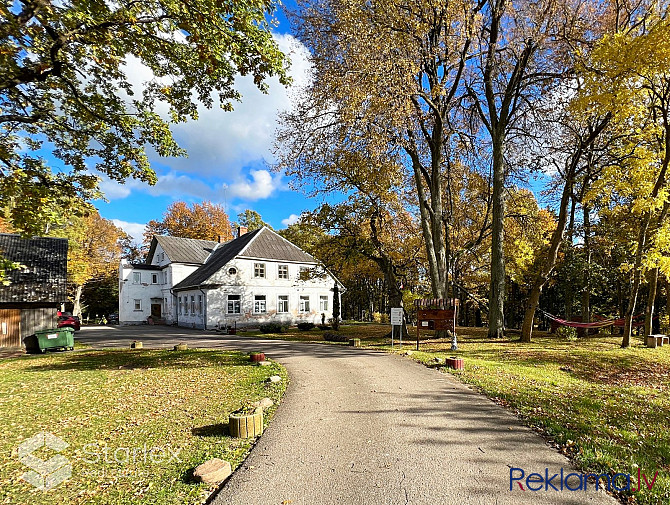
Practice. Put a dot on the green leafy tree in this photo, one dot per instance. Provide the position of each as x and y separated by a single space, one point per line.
251 219
65 88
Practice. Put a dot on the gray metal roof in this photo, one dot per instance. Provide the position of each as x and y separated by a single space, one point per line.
183 250
44 276
269 245
223 254
263 243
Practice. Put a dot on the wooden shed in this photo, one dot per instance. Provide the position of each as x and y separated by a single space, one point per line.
36 289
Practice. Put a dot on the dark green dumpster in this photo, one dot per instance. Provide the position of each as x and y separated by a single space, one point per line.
50 340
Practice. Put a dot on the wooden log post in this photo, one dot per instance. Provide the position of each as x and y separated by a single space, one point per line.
246 425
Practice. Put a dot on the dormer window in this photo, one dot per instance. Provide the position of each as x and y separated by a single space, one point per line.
259 270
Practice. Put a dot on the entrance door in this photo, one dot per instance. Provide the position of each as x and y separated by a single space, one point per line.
156 310
10 328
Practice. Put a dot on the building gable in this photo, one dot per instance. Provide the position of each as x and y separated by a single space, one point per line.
182 250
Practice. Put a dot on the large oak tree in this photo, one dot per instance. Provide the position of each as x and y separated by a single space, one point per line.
66 89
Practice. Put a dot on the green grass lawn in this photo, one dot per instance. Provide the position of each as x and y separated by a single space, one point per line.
137 421
606 408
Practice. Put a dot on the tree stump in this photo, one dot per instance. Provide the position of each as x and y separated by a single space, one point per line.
355 342
246 425
455 363
180 347
136 345
257 356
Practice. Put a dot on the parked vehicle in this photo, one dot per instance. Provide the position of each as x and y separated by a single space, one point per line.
113 319
69 322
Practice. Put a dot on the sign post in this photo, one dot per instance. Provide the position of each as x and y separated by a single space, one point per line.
396 320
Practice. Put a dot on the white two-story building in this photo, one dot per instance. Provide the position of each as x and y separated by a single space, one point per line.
255 278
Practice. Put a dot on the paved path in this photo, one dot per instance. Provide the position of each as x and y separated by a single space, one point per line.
361 427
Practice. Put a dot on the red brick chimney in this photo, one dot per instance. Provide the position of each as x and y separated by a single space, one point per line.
241 230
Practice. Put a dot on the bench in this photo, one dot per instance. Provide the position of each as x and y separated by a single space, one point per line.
654 341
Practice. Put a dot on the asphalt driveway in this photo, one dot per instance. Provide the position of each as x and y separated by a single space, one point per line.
364 427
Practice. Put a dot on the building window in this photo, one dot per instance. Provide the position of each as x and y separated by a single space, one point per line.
165 307
259 304
259 270
233 304
304 274
138 304
323 303
137 277
304 303
282 303
282 272
199 304
154 278
179 303
193 304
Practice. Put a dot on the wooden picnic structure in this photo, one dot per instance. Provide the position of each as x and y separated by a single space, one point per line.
435 314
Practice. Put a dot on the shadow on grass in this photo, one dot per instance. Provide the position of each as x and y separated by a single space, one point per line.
211 430
137 359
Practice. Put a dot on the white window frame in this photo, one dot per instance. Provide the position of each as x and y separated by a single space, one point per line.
323 303
282 272
279 304
200 304
179 304
154 278
137 304
260 301
193 305
137 277
260 268
304 307
236 304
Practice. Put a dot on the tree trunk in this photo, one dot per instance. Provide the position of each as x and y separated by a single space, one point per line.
651 299
586 293
637 279
76 311
497 290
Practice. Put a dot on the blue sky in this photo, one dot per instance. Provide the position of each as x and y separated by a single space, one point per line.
229 154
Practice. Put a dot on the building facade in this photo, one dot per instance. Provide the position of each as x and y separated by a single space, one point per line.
256 278
36 290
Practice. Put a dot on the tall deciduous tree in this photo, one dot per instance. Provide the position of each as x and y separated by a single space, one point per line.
386 87
205 221
66 72
94 251
630 79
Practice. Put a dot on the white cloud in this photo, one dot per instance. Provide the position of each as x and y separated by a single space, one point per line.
135 230
221 144
292 219
262 186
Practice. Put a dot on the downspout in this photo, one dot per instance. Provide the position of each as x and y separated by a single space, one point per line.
176 309
204 307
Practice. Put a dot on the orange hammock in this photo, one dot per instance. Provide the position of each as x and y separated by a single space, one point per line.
601 323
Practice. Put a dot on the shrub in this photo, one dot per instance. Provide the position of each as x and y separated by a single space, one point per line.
324 327
305 325
271 328
331 336
567 332
380 318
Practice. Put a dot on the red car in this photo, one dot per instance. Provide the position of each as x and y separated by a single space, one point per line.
69 322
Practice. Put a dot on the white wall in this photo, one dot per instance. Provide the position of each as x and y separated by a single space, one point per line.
166 278
129 291
244 284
